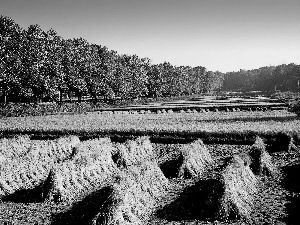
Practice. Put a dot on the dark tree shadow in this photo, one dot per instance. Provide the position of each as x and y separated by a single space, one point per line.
198 202
85 210
171 167
290 182
34 195
251 119
280 143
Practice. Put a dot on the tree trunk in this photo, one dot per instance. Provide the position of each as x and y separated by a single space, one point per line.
5 97
94 98
70 96
79 97
59 97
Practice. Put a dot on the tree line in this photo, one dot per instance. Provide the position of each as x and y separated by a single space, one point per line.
36 65
271 78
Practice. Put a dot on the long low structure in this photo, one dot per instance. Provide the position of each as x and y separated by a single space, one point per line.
247 106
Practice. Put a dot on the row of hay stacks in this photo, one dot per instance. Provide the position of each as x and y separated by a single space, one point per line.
240 180
140 187
72 170
228 193
132 183
232 188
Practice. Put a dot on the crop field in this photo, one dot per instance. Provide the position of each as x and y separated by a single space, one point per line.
258 121
71 169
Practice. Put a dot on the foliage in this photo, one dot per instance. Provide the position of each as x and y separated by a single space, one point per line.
36 64
280 78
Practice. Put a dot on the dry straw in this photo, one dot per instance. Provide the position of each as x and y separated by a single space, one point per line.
240 188
30 162
196 160
293 146
22 173
89 170
261 160
134 152
11 148
135 197
58 150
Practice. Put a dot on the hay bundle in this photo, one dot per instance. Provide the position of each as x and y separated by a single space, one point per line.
58 150
196 160
22 173
114 209
14 147
90 169
293 146
261 160
240 188
170 111
134 152
135 196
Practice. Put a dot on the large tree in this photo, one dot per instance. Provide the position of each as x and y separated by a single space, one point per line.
11 38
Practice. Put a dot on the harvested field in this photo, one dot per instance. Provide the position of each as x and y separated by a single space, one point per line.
92 172
238 123
274 204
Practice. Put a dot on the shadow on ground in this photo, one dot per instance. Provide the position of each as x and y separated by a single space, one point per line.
85 210
198 202
171 167
290 182
34 195
250 119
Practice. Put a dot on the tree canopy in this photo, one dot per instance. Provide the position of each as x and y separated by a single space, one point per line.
37 64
